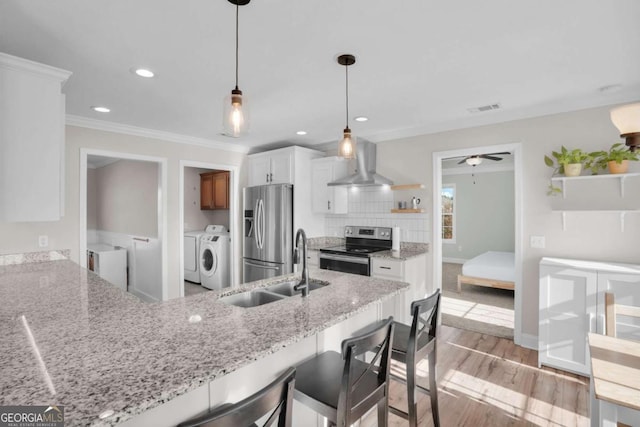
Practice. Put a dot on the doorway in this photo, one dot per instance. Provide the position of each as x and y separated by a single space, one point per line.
194 218
446 246
123 218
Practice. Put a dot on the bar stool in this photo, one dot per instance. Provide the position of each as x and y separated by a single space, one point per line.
413 343
342 388
276 397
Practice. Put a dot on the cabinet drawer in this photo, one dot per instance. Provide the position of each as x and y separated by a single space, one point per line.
387 268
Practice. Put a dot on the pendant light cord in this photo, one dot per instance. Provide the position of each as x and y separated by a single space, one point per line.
237 13
346 71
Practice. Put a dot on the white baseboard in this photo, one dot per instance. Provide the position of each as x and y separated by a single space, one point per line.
143 295
454 260
529 341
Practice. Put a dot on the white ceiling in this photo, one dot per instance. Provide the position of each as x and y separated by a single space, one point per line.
420 63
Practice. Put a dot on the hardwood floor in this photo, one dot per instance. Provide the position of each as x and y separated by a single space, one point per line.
489 381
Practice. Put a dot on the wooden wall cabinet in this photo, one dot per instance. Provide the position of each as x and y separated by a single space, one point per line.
214 190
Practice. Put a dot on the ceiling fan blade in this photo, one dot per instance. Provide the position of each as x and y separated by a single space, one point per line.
498 154
462 161
486 156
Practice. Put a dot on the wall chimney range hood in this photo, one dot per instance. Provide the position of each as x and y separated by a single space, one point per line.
366 175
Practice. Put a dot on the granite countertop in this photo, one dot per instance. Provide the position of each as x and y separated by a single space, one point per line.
70 338
407 251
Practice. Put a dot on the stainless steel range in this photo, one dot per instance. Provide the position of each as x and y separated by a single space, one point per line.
354 256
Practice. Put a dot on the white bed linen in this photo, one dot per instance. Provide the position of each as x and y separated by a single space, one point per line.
492 265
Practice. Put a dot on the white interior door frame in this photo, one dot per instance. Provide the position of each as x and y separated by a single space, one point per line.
438 156
162 204
234 208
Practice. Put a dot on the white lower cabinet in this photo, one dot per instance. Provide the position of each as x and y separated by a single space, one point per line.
572 304
412 271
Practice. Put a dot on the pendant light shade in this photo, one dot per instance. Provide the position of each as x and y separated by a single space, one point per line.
347 147
235 119
627 120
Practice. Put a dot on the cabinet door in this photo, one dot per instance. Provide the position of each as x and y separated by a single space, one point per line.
206 191
626 290
221 190
281 166
259 170
320 177
327 199
567 314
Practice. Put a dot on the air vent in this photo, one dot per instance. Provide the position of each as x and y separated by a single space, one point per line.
483 108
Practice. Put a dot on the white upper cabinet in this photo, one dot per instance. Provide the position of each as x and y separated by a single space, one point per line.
327 199
32 114
271 167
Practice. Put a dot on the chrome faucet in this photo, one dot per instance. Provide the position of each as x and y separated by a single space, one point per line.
304 282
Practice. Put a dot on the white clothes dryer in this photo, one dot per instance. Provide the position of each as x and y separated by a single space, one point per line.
215 258
192 255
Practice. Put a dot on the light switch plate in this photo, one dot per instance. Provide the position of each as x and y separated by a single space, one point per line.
537 242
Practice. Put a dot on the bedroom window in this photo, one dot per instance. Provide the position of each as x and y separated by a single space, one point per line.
448 194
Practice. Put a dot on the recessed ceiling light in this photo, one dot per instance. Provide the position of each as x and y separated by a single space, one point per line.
301 132
142 72
101 109
361 119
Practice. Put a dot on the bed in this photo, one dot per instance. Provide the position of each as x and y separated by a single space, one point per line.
491 269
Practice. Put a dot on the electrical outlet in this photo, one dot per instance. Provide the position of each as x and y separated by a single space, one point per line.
459 248
43 241
537 242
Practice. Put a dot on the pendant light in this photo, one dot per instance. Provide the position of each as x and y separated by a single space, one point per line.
627 120
236 115
347 147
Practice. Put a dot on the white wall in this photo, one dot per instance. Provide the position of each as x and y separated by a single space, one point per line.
485 218
590 236
92 200
65 234
127 198
194 217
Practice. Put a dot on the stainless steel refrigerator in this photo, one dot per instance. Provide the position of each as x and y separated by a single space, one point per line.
268 231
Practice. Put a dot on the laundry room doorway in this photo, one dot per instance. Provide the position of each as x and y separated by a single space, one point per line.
209 208
123 220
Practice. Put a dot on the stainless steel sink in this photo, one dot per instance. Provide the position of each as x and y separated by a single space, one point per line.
286 288
251 298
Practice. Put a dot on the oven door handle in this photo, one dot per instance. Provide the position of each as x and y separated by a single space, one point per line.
350 259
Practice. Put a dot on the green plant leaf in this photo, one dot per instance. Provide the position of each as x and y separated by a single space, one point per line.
548 161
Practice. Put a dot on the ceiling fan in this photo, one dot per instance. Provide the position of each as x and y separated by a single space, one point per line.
476 159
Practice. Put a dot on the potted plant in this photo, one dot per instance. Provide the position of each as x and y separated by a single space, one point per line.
616 159
569 163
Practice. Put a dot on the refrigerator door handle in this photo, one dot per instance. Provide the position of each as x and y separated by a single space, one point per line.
257 224
266 267
262 225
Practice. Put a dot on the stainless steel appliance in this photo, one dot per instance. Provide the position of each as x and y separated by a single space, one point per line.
354 256
268 231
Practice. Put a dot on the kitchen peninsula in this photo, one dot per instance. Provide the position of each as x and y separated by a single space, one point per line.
70 338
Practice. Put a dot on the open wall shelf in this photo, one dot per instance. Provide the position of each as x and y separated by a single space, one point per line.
621 212
407 187
563 179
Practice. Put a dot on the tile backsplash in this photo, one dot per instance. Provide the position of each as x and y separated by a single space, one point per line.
371 206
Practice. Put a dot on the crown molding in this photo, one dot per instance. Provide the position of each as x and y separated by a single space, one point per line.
11 62
102 125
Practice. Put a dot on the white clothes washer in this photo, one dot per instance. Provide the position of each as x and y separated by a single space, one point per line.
214 257
192 255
